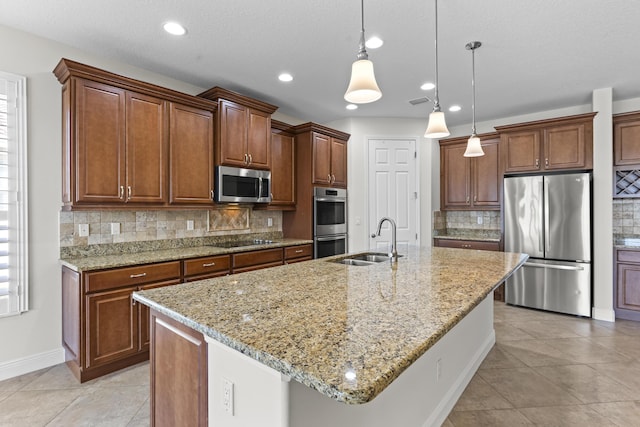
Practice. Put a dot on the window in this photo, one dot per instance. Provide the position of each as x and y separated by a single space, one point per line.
13 195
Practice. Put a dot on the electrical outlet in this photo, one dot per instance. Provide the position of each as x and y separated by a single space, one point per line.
83 230
227 396
438 369
480 220
189 224
115 228
269 222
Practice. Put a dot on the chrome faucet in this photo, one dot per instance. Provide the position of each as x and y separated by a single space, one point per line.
394 247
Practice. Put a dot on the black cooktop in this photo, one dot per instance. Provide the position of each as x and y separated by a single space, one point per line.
242 243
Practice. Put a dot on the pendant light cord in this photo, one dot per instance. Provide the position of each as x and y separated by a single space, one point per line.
473 91
436 101
362 52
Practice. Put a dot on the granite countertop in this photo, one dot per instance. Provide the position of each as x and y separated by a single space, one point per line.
468 234
88 263
315 320
626 242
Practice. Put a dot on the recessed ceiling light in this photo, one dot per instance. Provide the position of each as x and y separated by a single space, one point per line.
374 42
455 108
351 107
285 77
427 86
174 28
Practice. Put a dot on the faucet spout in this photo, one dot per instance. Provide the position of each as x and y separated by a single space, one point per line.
394 246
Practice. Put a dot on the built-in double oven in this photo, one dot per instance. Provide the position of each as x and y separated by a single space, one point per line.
329 221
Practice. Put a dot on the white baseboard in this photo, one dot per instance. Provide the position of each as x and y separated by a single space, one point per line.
17 367
603 314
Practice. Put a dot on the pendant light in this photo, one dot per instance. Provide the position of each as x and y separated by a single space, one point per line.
474 149
362 86
437 127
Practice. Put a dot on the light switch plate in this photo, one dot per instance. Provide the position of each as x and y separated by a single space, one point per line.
269 222
83 230
115 228
189 224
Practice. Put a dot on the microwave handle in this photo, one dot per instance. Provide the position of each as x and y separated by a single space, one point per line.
259 186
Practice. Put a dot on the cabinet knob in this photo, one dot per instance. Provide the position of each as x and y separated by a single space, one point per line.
537 163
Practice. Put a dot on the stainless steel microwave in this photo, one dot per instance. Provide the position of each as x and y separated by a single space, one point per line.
237 185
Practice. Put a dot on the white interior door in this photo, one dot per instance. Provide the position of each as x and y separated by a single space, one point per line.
393 192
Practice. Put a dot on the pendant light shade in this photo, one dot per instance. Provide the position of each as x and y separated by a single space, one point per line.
362 86
474 148
437 126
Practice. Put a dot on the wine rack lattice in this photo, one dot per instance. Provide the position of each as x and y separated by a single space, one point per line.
627 183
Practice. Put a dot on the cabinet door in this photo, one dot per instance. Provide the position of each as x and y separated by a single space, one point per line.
321 159
338 163
628 287
283 178
146 149
487 179
191 155
232 144
100 143
144 332
626 142
112 330
521 151
455 177
259 139
564 147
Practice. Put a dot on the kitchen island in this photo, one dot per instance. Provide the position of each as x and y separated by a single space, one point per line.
323 343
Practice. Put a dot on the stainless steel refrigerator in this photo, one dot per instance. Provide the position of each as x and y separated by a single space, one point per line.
548 217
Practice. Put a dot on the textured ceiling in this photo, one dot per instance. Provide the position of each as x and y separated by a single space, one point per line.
535 55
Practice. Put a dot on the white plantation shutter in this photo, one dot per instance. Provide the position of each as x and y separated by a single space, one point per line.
13 196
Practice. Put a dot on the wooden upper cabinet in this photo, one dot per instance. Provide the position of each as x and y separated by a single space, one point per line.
99 146
283 159
470 182
321 159
146 148
243 129
338 162
116 135
626 139
191 152
564 143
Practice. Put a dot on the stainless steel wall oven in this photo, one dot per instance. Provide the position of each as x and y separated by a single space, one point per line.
329 221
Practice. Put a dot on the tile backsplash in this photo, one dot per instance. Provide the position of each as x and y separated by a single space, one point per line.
138 226
465 223
626 217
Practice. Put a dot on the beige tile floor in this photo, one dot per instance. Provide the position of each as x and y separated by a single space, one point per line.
545 369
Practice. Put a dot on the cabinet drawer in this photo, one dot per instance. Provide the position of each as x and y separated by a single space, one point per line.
626 255
298 252
265 256
467 244
202 266
119 277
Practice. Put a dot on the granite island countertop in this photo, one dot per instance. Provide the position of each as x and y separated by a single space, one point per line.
315 320
89 263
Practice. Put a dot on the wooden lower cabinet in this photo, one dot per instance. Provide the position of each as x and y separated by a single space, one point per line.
103 330
256 260
206 267
298 253
627 284
498 293
179 374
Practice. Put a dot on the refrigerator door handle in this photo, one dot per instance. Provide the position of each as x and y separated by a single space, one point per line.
546 216
554 266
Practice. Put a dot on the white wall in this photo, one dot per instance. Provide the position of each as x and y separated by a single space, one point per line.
33 340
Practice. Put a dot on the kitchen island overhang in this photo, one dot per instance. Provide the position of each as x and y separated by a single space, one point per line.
346 331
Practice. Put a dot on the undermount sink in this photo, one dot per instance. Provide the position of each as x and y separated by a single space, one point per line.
368 258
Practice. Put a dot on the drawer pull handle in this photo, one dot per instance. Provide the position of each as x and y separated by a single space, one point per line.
135 276
209 264
299 251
